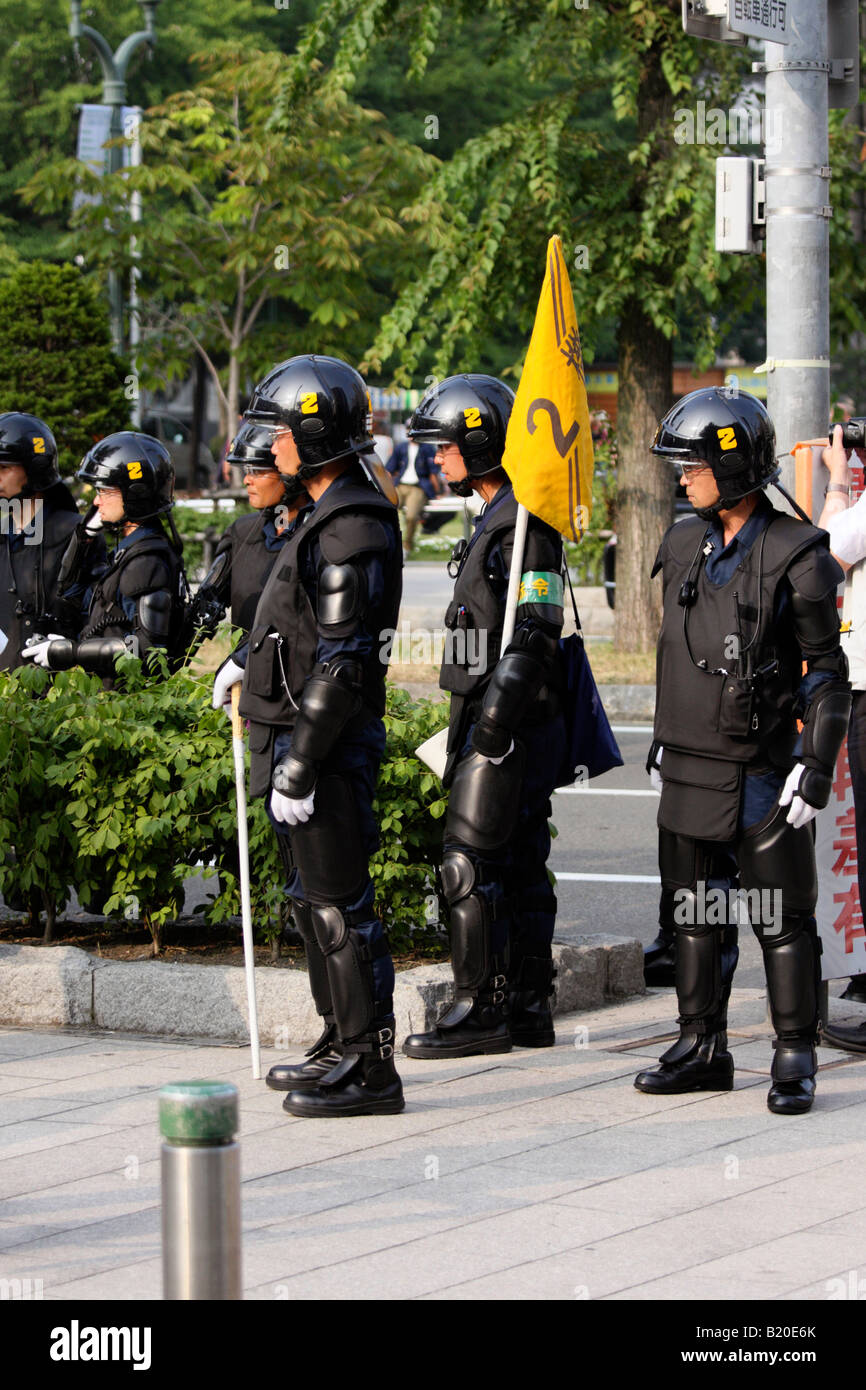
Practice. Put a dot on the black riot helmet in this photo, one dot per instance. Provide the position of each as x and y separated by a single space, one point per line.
728 429
471 411
27 441
251 450
139 466
325 404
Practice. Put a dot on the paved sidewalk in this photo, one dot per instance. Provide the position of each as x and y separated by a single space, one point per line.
533 1175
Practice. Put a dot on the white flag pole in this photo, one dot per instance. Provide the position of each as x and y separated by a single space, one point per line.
514 575
244 857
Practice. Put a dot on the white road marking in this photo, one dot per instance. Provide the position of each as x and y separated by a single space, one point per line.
602 791
606 878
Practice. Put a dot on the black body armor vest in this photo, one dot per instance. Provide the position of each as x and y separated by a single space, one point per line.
476 614
252 563
146 565
28 586
746 714
284 636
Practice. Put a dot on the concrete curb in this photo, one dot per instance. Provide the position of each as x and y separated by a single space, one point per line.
631 704
62 986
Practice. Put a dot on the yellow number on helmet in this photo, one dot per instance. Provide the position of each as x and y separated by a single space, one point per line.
309 403
134 469
727 437
472 416
38 444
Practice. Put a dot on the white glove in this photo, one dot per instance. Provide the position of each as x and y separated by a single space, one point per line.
289 811
93 525
655 772
497 761
801 812
37 651
229 674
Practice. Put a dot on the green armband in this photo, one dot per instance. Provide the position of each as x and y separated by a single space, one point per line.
541 586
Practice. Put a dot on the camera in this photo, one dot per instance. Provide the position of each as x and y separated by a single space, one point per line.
853 433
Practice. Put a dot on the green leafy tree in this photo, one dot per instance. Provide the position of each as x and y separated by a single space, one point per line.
56 359
597 161
237 215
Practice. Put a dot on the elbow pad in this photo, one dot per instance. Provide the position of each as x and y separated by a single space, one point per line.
824 729
332 695
513 686
154 617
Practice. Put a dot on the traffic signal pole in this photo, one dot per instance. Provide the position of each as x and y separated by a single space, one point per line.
797 177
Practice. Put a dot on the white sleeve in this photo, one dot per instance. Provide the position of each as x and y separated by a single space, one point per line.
847 532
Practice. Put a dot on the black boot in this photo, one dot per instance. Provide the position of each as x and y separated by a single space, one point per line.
696 1062
326 1051
365 1082
856 989
474 1025
323 1056
530 1015
699 1060
849 1039
793 1088
792 960
660 960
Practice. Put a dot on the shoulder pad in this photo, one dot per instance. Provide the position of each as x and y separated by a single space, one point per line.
680 540
241 529
350 534
814 573
142 574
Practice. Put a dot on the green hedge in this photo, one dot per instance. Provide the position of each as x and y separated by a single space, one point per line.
125 794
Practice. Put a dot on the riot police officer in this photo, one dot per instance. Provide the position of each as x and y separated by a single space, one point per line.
248 548
39 516
314 695
506 740
138 603
749 595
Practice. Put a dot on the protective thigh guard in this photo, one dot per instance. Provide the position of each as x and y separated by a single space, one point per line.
475 956
328 848
349 961
485 800
684 865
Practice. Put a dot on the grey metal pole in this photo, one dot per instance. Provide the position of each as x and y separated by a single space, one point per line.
201 1191
798 234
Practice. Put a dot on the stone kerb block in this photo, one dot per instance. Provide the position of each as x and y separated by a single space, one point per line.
46 987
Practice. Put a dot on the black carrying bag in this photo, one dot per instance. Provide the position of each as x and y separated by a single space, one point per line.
591 748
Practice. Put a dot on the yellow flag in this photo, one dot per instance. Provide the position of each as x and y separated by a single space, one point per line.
548 449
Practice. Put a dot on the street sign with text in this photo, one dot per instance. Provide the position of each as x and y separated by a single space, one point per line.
760 19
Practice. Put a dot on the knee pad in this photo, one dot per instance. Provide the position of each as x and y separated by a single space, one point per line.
327 848
485 800
348 961
471 920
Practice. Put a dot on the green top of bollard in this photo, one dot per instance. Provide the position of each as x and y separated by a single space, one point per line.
198 1112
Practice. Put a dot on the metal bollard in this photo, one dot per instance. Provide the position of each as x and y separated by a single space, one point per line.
201 1191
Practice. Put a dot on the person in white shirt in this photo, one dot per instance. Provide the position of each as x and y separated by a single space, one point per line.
846 524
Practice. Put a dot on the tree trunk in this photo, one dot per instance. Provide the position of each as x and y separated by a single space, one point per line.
645 485
50 905
157 933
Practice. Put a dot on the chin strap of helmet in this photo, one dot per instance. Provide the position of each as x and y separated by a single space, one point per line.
797 508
